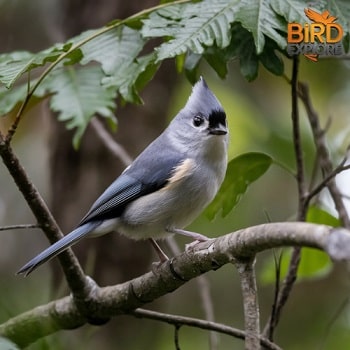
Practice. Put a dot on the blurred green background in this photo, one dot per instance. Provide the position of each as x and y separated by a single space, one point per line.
317 314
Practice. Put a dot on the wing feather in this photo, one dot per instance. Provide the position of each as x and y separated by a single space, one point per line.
113 200
145 175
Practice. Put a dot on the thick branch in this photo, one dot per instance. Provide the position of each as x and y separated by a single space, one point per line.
123 298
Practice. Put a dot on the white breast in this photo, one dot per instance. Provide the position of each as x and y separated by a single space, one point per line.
192 187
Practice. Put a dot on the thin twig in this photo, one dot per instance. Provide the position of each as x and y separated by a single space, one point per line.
297 142
345 196
268 330
115 148
204 294
208 308
291 276
176 337
325 161
250 302
324 183
19 227
198 323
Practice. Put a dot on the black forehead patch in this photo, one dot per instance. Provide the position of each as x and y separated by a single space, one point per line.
217 117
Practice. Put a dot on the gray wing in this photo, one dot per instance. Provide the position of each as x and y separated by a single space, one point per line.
144 176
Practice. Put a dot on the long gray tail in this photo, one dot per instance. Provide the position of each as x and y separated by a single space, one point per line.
65 242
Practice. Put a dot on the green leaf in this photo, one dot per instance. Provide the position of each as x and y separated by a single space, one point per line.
241 172
314 264
115 49
192 62
217 60
78 96
291 10
317 215
10 99
259 18
242 46
130 78
270 59
191 27
14 65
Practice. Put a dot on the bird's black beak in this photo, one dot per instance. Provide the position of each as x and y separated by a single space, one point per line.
218 129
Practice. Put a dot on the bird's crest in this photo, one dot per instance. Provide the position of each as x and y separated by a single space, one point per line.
202 100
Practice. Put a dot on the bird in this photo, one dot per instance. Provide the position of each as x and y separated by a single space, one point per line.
166 187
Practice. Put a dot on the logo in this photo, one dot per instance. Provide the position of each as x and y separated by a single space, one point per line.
322 37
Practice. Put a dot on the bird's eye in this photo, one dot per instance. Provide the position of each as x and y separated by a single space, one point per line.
198 120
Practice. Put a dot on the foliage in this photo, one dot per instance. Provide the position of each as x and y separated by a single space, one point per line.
241 172
216 31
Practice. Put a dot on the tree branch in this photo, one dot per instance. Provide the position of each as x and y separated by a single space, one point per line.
123 298
198 323
324 157
19 227
297 142
208 307
71 267
250 302
204 294
291 276
113 146
315 191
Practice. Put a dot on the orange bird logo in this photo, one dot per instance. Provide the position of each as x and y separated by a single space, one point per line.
324 18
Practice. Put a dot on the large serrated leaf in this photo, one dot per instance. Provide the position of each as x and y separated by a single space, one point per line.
259 18
270 59
242 46
128 78
241 172
14 65
291 10
78 96
115 49
10 99
191 27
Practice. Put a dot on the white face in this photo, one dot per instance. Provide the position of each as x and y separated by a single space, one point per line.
201 123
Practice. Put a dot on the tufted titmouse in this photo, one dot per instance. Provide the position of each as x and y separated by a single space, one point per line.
168 184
